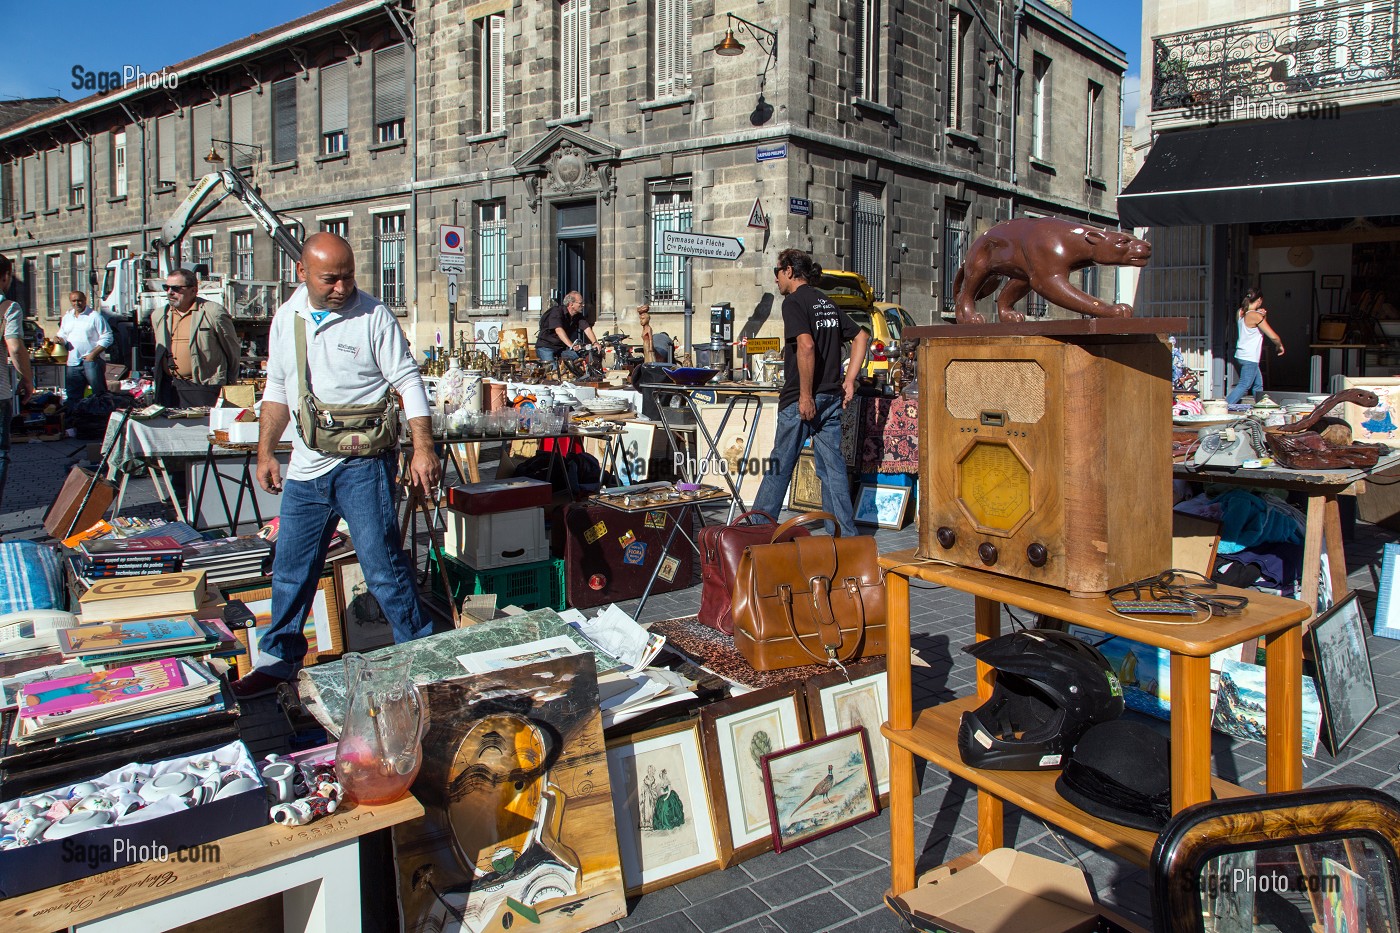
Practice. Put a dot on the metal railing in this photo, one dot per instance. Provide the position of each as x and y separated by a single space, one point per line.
1316 50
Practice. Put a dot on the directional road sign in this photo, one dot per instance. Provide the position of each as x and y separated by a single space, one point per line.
675 243
452 289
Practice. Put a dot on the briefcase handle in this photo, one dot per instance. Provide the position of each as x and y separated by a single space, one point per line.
810 518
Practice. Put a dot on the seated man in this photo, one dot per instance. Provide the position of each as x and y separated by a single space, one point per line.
560 327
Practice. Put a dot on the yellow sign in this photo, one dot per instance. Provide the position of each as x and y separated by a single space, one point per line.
594 533
763 344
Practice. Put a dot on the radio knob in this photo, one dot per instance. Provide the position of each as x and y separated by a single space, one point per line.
988 552
1037 554
947 537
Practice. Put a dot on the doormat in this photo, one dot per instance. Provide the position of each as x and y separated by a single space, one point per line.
715 652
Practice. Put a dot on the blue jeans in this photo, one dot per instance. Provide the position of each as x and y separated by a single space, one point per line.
1251 382
361 490
7 415
549 355
78 378
825 431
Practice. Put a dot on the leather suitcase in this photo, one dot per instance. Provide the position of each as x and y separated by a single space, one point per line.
596 559
58 520
502 495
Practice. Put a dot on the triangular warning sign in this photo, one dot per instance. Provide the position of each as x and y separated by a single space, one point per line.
756 216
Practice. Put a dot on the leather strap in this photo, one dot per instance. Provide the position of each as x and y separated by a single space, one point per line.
743 515
811 518
825 619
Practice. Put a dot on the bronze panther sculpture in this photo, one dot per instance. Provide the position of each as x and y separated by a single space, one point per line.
1039 254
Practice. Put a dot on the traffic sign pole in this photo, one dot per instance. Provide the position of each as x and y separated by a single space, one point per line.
689 308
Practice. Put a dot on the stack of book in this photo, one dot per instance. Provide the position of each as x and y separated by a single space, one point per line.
104 558
229 559
114 699
107 644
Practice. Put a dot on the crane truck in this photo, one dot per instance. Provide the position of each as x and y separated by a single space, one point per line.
134 286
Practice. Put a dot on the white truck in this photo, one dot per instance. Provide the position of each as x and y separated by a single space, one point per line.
133 287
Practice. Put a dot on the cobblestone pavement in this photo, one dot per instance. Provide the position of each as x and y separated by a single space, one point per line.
836 883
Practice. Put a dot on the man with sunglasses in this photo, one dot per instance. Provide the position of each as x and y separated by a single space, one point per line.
197 349
814 391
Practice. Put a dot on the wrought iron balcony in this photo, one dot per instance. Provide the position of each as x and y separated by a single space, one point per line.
1334 48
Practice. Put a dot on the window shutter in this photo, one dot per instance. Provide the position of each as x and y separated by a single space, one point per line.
202 132
665 63
585 72
861 49
54 164
569 100
390 85
685 13
119 164
31 184
241 107
284 120
77 164
496 27
335 105
165 150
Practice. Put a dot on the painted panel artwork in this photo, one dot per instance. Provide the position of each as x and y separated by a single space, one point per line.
518 826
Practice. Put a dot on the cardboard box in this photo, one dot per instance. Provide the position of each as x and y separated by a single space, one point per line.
54 862
59 519
1005 890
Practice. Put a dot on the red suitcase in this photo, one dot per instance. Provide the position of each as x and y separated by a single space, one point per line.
598 566
501 495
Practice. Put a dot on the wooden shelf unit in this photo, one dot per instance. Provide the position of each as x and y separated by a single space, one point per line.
933 735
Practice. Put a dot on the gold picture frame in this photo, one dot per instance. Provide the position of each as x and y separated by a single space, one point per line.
805 492
258 599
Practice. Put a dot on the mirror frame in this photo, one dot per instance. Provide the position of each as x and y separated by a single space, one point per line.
1235 824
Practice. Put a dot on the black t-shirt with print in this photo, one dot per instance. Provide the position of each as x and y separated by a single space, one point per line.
808 311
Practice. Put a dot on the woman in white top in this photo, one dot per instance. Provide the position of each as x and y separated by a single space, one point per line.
1253 329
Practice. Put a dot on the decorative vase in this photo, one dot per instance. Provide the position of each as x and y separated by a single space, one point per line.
381 737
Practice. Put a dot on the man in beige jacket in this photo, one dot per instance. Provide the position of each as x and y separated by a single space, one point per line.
197 349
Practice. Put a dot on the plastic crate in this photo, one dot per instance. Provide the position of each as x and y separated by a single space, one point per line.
529 586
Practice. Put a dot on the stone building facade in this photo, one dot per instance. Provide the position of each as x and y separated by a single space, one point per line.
566 135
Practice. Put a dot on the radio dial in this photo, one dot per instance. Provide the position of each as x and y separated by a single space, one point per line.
988 552
1037 554
947 537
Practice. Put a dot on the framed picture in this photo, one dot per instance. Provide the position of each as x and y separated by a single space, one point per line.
1343 671
805 492
836 703
638 439
882 505
737 733
1380 424
323 634
1387 621
1333 281
665 817
816 789
363 621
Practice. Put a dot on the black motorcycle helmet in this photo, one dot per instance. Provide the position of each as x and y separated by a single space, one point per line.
1048 689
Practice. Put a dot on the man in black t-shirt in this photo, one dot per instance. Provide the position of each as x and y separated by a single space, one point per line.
559 328
815 392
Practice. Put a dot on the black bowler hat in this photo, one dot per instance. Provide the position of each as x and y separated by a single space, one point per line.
1120 771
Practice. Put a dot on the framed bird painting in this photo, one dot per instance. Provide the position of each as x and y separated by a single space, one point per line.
818 788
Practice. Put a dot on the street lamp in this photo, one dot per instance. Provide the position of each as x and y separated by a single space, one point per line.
213 158
767 41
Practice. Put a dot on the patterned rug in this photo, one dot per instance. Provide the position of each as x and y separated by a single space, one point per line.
715 652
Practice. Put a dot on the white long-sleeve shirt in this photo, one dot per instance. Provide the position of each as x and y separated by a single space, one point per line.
354 355
84 333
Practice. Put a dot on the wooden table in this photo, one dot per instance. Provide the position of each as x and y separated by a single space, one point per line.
316 868
1348 359
1323 517
933 733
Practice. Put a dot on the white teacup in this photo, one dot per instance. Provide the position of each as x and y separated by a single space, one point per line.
279 777
78 822
85 789
34 830
94 802
204 768
1216 406
128 803
175 783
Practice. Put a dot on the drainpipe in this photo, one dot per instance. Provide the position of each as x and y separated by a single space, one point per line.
1016 21
411 108
91 192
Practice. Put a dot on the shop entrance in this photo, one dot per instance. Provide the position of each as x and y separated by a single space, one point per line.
576 233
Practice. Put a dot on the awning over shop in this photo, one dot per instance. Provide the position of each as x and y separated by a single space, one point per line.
1282 169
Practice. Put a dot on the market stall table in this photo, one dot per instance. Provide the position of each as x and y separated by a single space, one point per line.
315 867
158 444
1337 359
1323 516
932 734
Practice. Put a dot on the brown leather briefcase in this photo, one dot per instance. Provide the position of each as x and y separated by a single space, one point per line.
815 599
721 546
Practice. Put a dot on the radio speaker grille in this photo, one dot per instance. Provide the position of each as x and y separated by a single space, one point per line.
1016 387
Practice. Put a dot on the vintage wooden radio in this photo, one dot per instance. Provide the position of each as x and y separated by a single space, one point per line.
1045 449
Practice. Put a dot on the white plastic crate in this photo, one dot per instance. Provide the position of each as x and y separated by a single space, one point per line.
502 539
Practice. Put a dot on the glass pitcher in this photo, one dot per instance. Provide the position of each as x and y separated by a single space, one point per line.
381 737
